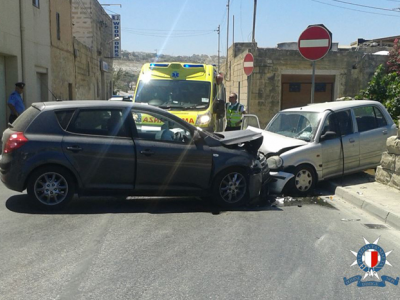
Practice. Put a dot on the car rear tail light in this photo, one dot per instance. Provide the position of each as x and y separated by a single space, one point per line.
15 141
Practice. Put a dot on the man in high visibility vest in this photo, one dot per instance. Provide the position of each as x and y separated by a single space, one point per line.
234 112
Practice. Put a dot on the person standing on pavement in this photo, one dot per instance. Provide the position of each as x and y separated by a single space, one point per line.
15 102
234 112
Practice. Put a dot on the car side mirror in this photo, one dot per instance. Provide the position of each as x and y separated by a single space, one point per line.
219 107
329 135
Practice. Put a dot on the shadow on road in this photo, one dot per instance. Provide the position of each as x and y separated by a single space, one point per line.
356 178
110 205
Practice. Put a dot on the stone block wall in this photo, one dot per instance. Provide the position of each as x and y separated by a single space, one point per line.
389 170
351 69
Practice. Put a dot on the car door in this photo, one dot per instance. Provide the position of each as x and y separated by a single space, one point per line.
100 147
332 155
167 157
373 129
249 120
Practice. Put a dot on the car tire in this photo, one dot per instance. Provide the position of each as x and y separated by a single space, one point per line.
51 187
230 188
303 182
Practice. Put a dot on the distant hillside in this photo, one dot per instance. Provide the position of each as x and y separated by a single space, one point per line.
149 57
126 69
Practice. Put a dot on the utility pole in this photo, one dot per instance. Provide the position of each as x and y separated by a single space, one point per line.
233 30
227 40
254 22
219 41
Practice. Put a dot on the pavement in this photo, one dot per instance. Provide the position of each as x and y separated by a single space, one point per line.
364 192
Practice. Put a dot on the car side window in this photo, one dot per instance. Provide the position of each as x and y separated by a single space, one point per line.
339 122
153 126
380 119
368 118
64 117
104 122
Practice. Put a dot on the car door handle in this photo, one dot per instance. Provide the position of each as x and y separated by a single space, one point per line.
74 148
384 132
147 152
351 140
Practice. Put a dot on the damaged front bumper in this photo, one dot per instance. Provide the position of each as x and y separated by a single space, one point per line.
259 178
279 180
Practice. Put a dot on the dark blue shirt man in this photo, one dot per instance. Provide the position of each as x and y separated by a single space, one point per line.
15 102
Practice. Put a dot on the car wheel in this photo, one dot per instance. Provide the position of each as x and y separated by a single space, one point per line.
304 180
230 188
51 187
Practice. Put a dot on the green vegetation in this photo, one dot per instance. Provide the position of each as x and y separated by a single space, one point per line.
385 84
124 80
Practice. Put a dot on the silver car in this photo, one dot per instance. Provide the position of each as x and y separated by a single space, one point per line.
308 144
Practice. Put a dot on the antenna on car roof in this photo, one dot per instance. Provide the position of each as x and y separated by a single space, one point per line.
56 99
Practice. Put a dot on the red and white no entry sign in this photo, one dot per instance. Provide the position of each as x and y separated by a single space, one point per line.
315 42
248 64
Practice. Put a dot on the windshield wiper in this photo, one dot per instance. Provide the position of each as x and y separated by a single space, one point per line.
170 106
196 106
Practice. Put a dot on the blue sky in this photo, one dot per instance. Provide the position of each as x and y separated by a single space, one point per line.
186 27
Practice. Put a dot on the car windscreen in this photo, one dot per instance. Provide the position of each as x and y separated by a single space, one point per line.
174 94
23 121
298 125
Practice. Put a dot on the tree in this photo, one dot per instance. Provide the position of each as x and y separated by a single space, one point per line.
394 58
385 88
122 80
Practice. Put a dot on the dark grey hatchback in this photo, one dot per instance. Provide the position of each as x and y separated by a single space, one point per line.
57 149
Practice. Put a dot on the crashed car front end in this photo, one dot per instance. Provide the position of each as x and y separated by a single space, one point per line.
247 143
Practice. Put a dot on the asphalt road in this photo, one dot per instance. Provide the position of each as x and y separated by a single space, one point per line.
186 249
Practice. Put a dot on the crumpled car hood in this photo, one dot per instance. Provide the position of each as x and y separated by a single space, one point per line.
249 137
276 143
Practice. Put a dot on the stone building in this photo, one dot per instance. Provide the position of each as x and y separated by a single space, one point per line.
24 52
282 77
92 30
62 50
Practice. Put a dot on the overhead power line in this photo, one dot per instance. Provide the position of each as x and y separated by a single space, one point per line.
166 30
367 6
358 10
166 33
110 11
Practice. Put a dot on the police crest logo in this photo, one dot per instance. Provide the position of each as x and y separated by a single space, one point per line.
371 258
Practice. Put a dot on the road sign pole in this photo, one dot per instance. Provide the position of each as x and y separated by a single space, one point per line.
314 43
313 82
248 67
248 93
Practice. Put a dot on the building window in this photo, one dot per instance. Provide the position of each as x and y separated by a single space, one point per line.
70 93
294 87
35 3
58 26
320 87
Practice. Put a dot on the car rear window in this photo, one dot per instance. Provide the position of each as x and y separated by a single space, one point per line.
64 117
369 118
23 121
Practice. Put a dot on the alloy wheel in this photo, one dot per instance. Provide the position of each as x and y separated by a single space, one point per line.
51 188
233 187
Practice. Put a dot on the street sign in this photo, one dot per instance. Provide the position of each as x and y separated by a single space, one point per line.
248 64
315 42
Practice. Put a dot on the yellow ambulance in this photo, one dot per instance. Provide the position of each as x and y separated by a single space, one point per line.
187 90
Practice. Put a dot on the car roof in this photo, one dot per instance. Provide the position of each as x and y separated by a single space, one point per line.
334 106
89 104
